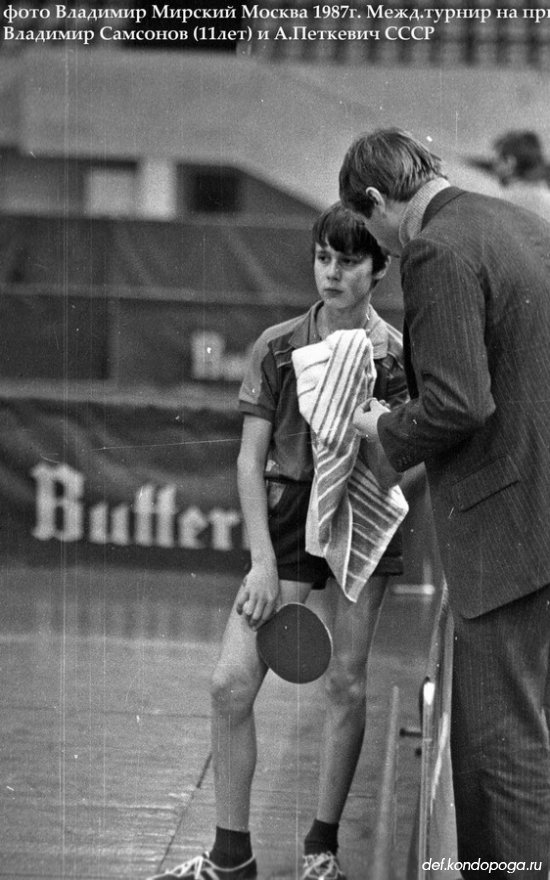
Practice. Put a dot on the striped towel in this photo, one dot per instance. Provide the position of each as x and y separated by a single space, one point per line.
351 519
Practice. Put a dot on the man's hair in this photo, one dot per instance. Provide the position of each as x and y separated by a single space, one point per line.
345 231
526 150
390 160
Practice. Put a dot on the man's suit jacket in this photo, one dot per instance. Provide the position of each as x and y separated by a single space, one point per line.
476 286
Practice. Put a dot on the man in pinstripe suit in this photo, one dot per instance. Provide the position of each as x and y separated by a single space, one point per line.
475 273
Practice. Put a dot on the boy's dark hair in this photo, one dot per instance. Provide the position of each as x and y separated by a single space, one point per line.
345 231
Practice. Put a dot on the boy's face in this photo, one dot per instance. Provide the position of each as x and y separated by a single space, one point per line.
343 280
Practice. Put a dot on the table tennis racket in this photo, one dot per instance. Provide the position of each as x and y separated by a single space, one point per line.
295 643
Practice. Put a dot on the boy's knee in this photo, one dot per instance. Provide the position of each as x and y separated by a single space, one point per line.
346 686
230 692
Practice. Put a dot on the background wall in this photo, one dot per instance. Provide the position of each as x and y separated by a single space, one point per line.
156 209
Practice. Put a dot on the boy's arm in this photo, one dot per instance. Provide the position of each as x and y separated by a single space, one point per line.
259 592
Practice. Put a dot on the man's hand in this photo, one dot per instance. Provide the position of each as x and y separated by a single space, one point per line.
258 596
365 420
365 417
377 461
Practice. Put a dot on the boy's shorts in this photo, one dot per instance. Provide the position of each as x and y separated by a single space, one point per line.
288 503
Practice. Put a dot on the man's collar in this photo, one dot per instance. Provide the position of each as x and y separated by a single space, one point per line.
411 222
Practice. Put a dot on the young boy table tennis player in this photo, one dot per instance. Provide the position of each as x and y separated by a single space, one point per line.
275 472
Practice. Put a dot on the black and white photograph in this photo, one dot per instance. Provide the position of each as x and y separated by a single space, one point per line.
273 278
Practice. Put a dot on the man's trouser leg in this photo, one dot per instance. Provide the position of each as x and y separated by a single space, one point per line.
499 739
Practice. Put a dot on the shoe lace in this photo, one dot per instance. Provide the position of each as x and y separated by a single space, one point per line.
321 866
195 865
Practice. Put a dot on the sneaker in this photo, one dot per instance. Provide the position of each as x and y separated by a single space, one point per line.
202 868
322 866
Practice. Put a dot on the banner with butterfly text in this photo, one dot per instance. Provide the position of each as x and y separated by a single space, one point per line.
120 482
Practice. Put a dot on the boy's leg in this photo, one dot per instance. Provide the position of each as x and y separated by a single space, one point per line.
235 684
236 680
353 629
346 682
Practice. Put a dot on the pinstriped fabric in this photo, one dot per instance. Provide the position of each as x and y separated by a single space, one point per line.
351 519
499 735
476 288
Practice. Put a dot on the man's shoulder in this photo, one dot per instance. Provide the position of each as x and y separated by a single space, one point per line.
463 204
452 203
459 223
471 219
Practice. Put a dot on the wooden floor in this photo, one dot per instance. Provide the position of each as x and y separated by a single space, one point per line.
105 758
